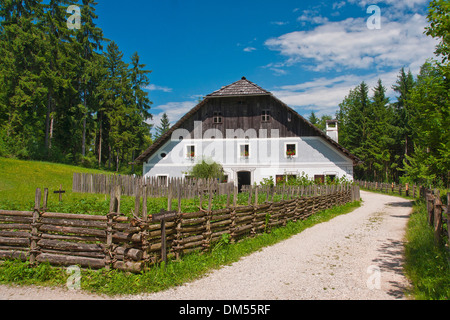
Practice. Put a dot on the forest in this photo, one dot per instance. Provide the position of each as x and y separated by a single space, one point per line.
406 140
68 95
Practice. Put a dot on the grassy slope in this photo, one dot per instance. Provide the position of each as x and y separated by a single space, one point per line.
19 180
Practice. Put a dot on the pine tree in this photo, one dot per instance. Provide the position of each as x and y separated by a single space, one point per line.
53 23
113 101
381 143
21 88
354 115
313 119
430 161
90 39
139 81
403 86
163 127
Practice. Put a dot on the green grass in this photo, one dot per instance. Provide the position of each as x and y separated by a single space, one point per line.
19 180
427 266
160 277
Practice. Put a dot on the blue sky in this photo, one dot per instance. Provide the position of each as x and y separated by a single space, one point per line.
307 53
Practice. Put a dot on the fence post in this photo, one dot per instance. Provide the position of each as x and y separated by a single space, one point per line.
233 216
448 215
207 233
34 250
437 220
45 200
114 210
430 211
178 223
137 201
255 208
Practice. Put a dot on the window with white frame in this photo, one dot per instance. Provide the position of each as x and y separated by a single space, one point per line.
291 150
190 151
162 180
244 151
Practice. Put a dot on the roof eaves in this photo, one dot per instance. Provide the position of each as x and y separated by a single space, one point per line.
163 139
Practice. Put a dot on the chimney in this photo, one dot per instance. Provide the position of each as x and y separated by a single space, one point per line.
332 130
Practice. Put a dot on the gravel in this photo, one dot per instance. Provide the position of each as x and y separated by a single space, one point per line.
354 256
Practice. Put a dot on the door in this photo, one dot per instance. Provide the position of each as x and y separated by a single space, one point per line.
244 179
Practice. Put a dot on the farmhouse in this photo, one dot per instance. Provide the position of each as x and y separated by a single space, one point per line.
253 135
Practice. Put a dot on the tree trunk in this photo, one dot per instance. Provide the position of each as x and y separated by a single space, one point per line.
47 121
100 140
83 139
109 157
117 161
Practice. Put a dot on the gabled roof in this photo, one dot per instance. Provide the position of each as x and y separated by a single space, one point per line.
242 87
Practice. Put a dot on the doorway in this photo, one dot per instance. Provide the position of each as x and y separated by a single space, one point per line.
244 179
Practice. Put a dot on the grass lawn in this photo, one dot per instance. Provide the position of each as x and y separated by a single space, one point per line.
19 180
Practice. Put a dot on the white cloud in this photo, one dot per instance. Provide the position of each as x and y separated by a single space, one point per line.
349 44
349 47
174 110
312 16
338 5
397 4
279 23
152 87
323 95
249 49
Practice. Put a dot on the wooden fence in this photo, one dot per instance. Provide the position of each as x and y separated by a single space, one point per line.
135 243
437 214
104 184
391 188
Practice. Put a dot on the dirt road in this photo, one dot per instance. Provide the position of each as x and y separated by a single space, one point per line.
354 256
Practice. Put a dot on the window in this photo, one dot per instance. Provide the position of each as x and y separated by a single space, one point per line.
289 118
162 180
291 177
280 179
291 150
217 118
265 116
244 150
190 151
319 179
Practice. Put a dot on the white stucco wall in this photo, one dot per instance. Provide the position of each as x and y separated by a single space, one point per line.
267 157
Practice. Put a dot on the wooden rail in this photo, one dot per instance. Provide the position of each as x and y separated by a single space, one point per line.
133 244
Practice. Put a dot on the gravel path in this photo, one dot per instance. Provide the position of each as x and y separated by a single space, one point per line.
354 256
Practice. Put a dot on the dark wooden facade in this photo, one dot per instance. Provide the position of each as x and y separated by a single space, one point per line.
249 112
